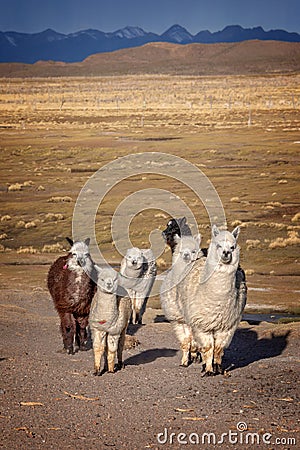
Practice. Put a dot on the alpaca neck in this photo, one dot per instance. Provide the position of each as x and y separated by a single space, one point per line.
129 272
178 266
107 308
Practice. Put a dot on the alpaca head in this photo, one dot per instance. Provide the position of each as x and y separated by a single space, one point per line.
80 254
134 258
224 244
188 247
176 227
107 280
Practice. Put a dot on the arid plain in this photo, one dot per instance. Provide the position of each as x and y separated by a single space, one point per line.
242 132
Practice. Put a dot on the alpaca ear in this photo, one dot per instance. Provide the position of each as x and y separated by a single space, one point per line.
197 238
70 241
236 232
215 231
87 241
183 220
97 268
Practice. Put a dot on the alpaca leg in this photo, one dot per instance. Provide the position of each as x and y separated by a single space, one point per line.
185 348
120 364
138 301
195 352
133 300
68 328
99 344
183 336
112 347
142 307
205 342
222 340
81 332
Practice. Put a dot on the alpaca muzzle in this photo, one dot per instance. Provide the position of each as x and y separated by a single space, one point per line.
226 257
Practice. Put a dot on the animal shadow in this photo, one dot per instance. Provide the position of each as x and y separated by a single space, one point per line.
246 348
133 328
149 356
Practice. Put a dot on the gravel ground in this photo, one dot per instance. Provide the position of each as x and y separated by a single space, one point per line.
52 400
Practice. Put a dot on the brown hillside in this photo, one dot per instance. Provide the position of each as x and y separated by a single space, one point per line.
247 57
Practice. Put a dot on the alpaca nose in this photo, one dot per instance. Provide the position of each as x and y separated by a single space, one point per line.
134 262
186 256
226 253
81 262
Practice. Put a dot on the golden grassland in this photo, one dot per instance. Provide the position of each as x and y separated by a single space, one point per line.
243 132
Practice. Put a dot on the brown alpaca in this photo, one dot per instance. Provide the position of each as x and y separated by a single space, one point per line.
71 285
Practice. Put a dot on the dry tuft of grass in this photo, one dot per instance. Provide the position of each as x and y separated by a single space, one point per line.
31 224
296 217
5 218
58 199
20 224
249 272
161 263
236 223
15 187
51 217
292 239
27 250
28 183
53 248
253 243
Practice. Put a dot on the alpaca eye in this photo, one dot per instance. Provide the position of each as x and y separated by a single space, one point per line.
233 247
73 254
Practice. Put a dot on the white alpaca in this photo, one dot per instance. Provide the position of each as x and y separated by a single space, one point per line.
214 298
109 317
186 252
138 271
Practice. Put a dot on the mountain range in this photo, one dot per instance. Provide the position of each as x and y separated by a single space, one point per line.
238 58
75 47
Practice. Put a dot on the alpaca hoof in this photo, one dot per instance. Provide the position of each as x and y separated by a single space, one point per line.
83 347
184 364
119 366
97 373
208 374
70 351
218 370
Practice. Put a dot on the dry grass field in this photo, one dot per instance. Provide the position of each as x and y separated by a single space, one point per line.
243 132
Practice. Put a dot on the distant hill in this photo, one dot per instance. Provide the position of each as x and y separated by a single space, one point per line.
75 47
249 57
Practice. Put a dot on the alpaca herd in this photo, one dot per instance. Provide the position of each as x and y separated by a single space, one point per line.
202 295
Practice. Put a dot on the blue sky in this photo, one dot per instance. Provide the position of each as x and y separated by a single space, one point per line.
67 16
